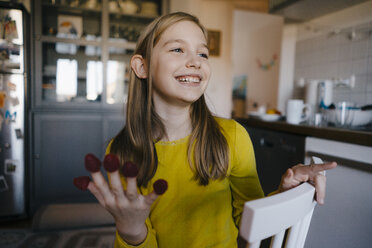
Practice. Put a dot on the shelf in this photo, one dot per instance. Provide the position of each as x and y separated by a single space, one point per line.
82 10
134 16
122 44
72 10
82 42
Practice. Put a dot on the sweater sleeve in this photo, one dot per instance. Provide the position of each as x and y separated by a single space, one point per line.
244 181
150 240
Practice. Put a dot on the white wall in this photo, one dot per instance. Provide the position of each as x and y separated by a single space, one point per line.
325 49
287 64
257 36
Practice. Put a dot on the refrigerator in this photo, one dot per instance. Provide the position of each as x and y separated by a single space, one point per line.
13 133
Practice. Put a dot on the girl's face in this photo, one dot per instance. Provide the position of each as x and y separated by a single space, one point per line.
179 65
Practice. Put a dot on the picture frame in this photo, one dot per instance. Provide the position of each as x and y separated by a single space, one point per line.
214 42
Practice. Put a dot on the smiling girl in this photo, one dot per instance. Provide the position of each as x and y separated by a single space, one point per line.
170 134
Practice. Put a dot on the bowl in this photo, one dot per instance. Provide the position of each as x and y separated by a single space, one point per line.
361 117
344 113
270 117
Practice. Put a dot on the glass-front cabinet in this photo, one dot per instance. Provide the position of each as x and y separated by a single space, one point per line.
83 49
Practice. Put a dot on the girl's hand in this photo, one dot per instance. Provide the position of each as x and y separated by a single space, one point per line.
312 173
129 209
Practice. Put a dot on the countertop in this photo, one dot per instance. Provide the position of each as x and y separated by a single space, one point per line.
359 137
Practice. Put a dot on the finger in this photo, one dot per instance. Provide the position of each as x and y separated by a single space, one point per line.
130 171
316 168
103 187
131 191
160 186
84 183
116 185
320 188
286 181
303 173
92 163
150 198
111 164
97 194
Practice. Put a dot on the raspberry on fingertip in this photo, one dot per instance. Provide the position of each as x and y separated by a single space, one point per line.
81 182
129 169
160 186
111 163
92 163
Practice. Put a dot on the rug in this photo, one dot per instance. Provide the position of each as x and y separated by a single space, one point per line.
84 225
100 237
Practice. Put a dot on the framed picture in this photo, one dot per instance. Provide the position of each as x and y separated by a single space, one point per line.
214 42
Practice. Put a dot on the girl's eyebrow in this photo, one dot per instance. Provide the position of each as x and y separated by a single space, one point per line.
180 41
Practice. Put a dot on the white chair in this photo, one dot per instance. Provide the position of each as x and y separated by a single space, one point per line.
272 216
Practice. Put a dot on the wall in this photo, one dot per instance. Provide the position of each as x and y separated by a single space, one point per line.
257 36
287 64
325 49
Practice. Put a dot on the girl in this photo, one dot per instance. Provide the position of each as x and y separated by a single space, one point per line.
207 161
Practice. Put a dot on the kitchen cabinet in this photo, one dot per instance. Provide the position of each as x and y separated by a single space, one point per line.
61 142
81 53
58 160
348 201
82 50
275 152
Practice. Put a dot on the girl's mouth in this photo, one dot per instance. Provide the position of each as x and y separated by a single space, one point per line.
189 79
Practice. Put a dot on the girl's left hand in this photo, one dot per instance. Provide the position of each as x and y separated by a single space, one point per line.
298 174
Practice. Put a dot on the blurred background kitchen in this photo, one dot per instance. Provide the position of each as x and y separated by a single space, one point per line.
296 73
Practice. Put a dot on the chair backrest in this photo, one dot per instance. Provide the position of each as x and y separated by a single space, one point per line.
272 216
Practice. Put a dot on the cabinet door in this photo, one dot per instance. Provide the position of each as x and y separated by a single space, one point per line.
60 145
275 152
112 124
68 48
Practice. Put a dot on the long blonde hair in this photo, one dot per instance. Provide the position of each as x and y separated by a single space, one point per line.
144 127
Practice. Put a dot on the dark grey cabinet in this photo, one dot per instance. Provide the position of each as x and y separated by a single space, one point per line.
275 152
61 141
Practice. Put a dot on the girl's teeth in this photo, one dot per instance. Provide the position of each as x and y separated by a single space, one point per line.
189 79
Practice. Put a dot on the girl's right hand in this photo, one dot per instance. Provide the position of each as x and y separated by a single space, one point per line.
129 209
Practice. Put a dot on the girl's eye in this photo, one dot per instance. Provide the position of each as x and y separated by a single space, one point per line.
177 50
203 55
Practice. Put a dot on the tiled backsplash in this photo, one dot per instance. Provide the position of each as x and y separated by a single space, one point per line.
338 55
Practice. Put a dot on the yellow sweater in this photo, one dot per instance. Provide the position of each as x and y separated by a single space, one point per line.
193 216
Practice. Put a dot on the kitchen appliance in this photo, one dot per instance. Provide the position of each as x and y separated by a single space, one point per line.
13 81
319 93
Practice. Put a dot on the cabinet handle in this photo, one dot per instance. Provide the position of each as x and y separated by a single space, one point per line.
264 142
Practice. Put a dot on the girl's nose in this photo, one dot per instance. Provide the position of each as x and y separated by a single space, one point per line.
193 61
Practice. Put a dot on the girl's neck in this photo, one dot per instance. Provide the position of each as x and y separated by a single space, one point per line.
177 122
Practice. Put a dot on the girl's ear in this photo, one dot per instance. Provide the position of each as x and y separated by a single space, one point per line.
139 66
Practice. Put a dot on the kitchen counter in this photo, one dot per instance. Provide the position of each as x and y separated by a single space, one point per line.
359 137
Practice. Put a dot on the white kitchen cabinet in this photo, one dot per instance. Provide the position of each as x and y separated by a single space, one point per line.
344 219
